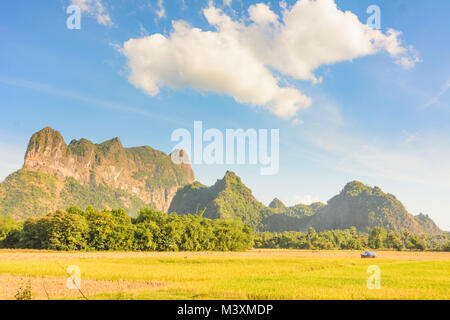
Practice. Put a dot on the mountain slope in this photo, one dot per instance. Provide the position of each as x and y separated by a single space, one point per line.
363 207
227 199
106 175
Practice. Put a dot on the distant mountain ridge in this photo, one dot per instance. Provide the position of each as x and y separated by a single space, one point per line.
357 205
106 175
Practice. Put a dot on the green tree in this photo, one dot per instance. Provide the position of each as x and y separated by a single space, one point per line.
36 233
377 238
145 235
115 230
8 231
110 230
354 244
67 231
394 241
417 243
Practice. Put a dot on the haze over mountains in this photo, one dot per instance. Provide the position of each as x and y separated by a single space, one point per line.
107 175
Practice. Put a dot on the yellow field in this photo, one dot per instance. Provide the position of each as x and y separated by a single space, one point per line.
258 274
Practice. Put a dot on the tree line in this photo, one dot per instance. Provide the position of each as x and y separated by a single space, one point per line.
74 229
351 239
152 230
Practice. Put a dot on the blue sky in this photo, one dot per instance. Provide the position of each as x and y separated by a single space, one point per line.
371 118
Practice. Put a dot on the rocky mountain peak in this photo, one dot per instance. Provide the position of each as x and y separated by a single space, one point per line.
143 172
45 142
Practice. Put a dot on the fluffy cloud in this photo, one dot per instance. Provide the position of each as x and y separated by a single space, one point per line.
207 62
94 8
246 60
261 14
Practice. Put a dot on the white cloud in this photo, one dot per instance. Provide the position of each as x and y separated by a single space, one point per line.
246 60
94 8
161 11
260 13
207 62
306 199
408 62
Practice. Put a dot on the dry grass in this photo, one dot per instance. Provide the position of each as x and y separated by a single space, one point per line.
48 288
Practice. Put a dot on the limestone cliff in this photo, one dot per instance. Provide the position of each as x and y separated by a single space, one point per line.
129 177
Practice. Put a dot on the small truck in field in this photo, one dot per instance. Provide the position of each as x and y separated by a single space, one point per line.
368 254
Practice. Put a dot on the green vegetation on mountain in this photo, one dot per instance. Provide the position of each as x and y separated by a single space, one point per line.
228 198
288 218
32 194
365 208
98 196
162 173
27 194
358 205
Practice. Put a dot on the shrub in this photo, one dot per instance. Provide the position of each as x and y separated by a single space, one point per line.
24 292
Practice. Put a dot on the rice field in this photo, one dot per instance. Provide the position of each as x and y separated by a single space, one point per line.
257 274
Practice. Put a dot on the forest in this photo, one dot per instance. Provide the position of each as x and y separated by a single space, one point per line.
114 230
351 239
